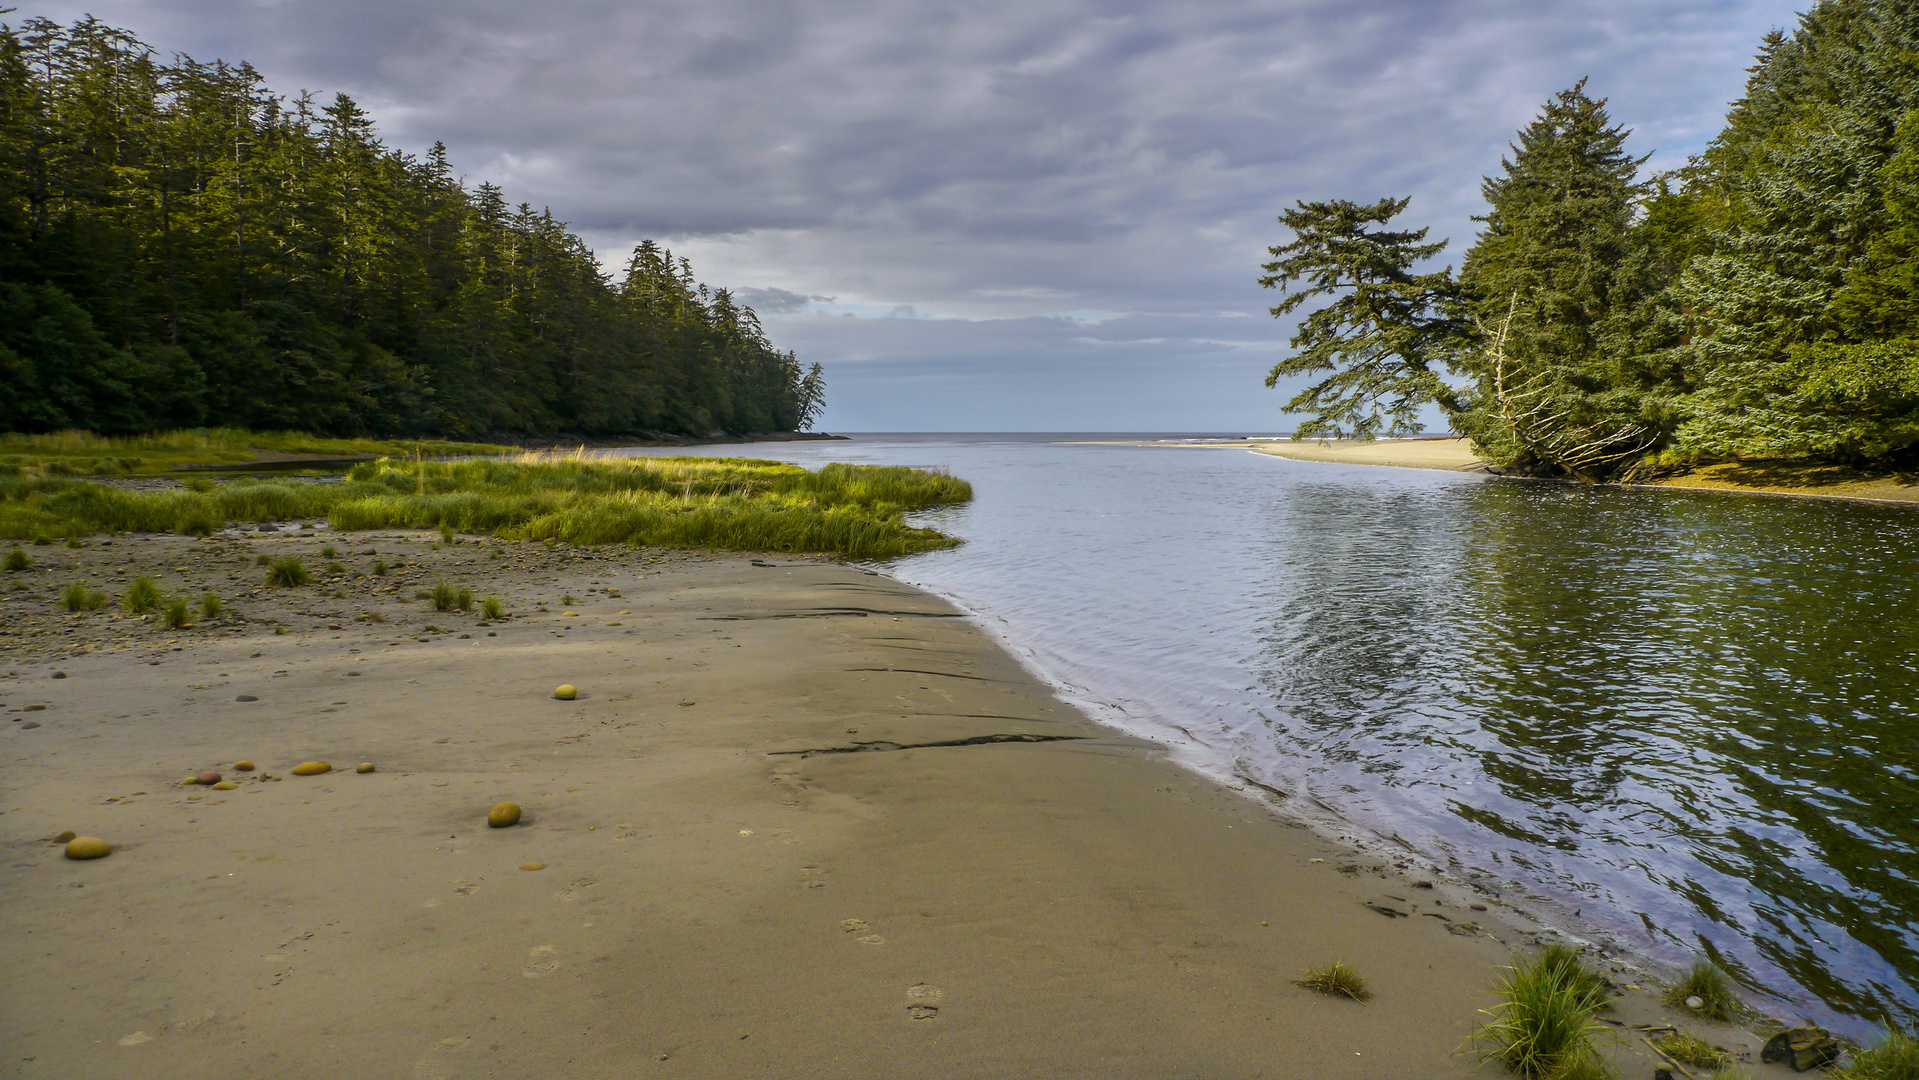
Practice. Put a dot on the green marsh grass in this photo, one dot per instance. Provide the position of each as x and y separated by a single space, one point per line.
143 595
1543 1026
329 552
76 543
82 453
18 560
569 600
463 599
1719 999
1336 979
288 571
491 608
211 606
174 615
1692 1050
1895 1058
729 503
1577 973
379 569
443 596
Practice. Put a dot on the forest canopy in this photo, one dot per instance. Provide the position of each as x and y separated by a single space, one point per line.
1761 302
180 246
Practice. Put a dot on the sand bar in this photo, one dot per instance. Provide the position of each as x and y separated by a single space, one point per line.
802 820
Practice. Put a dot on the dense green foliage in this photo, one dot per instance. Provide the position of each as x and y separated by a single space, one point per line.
1758 303
84 453
740 504
181 247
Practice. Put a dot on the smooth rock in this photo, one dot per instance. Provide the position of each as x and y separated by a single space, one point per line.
244 766
1695 1003
246 697
208 777
88 847
363 767
566 692
226 785
503 815
311 768
532 866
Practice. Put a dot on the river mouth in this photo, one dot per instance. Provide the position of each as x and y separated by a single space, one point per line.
1690 717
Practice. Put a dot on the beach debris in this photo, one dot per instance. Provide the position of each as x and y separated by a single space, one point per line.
208 777
1802 1048
363 767
503 815
226 785
312 768
532 866
1383 909
566 692
244 765
88 847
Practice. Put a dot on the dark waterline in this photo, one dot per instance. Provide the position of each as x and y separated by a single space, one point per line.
1691 716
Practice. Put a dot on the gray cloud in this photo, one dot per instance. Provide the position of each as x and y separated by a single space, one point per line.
989 163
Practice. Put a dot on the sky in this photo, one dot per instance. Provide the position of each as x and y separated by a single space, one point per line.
1006 215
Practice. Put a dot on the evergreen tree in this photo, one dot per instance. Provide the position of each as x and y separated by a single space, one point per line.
1567 374
1801 341
180 246
1387 336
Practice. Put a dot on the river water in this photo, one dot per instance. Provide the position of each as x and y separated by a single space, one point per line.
1692 717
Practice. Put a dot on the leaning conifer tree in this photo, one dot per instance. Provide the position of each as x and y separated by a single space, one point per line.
1566 375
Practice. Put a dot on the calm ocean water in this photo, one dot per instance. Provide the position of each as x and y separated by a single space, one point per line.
1693 717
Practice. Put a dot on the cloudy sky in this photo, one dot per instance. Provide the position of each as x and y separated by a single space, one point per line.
1004 215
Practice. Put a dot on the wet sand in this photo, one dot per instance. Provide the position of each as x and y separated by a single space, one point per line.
802 820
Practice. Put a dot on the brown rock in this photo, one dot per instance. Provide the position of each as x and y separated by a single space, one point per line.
243 766
208 777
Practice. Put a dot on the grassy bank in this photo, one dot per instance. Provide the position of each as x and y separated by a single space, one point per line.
82 453
727 503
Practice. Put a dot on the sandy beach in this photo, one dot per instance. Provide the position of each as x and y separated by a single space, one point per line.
802 820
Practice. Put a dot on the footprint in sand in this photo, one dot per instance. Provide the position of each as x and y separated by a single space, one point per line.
811 876
545 962
923 1001
854 926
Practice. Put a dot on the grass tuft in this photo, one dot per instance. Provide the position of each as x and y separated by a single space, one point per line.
18 560
492 608
568 600
1543 1026
143 595
211 606
379 569
78 597
288 571
76 543
263 559
1719 1000
1336 979
1692 1050
175 614
463 599
1896 1058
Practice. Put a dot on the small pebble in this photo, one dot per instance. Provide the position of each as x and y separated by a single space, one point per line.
312 768
65 836
503 815
566 692
246 697
1695 1003
88 847
363 767
243 766
532 866
1477 907
59 674
225 785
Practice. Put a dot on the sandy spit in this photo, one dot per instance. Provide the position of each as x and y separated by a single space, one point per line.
801 820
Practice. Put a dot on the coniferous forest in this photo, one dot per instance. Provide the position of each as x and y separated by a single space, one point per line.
180 246
1761 302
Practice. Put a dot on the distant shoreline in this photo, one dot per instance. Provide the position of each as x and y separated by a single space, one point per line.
1456 455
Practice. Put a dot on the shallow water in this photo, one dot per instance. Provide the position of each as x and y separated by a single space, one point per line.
1693 717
